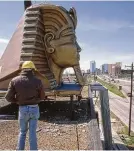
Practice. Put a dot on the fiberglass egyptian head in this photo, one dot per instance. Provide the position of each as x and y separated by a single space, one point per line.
60 40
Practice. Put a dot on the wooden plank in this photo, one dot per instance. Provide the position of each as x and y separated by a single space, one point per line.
105 112
94 135
94 132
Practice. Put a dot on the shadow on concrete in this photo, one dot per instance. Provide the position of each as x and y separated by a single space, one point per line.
130 147
54 111
117 146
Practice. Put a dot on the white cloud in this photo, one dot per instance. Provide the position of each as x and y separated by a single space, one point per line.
125 57
2 40
103 24
82 44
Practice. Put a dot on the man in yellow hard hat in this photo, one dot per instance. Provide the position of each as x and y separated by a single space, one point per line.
27 91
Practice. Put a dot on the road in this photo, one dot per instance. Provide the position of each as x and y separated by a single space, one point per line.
124 83
120 107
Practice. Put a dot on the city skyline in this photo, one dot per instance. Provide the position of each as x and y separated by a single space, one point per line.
105 30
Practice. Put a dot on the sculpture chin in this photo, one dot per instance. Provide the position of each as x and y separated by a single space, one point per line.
66 56
78 57
67 63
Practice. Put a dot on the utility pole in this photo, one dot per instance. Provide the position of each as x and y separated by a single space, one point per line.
131 97
27 3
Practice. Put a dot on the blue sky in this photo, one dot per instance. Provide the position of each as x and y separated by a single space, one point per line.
105 30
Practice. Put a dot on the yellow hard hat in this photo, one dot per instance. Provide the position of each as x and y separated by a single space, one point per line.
28 65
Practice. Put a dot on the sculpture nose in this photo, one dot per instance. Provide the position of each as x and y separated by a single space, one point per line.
78 47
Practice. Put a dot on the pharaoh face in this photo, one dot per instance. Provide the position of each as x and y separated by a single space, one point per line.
66 49
60 40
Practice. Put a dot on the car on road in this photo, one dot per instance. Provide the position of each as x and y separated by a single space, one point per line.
129 94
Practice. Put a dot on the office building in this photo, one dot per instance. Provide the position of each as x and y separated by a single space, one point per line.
114 69
104 69
92 67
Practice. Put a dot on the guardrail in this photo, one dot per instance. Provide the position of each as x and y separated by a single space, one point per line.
105 113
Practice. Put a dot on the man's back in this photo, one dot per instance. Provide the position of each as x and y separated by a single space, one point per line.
27 88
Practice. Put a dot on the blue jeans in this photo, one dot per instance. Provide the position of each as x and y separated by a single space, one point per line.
28 116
